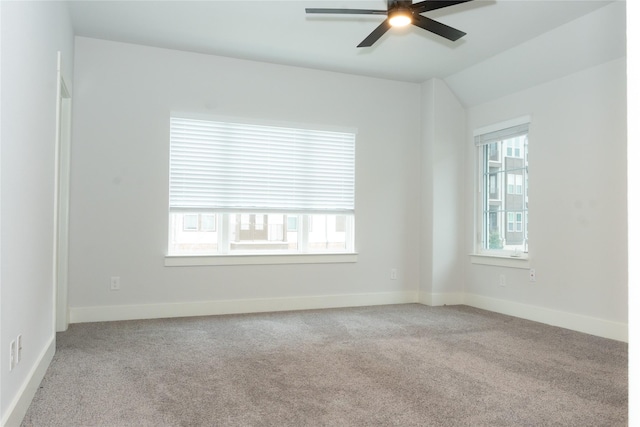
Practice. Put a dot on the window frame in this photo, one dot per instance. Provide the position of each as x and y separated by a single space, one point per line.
303 219
502 257
234 258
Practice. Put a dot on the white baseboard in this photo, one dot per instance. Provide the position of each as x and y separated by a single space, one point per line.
208 308
590 325
452 298
20 404
576 322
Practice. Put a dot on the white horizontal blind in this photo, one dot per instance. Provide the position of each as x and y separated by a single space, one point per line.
238 167
502 134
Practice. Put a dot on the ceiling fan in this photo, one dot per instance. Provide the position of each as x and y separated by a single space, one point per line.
400 13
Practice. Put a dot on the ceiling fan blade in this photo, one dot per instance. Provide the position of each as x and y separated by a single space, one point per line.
437 28
347 11
402 3
375 34
425 6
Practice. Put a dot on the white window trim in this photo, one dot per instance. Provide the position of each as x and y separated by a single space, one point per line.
522 261
226 257
262 259
494 257
502 125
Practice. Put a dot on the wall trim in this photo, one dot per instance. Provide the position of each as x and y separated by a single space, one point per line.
263 259
18 407
451 298
209 308
590 325
576 322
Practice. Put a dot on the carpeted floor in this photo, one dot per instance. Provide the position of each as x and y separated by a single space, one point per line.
399 365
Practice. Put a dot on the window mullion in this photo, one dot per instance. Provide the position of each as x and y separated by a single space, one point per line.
349 234
224 233
303 235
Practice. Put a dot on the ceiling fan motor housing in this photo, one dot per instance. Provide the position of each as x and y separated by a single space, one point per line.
403 12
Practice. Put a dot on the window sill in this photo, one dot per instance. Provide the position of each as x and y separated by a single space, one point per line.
264 259
521 261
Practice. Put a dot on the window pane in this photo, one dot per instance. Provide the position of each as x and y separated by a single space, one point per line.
191 241
496 240
262 233
260 222
495 183
493 152
504 195
325 235
245 222
259 232
293 224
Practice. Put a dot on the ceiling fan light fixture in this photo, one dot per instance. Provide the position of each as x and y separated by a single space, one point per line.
402 13
400 19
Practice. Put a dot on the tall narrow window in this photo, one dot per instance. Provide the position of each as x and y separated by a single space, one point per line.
262 188
503 210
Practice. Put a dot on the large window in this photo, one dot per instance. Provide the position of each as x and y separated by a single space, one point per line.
503 196
238 188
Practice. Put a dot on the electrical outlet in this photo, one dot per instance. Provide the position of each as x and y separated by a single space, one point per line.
394 274
115 283
12 355
18 349
503 280
532 275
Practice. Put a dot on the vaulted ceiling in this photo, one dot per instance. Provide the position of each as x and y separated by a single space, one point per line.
281 32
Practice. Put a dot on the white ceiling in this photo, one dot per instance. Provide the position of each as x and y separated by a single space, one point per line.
280 32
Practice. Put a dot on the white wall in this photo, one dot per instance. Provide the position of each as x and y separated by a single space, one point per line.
633 200
443 170
578 210
122 101
32 33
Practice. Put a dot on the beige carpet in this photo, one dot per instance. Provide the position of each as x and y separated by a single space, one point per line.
400 365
